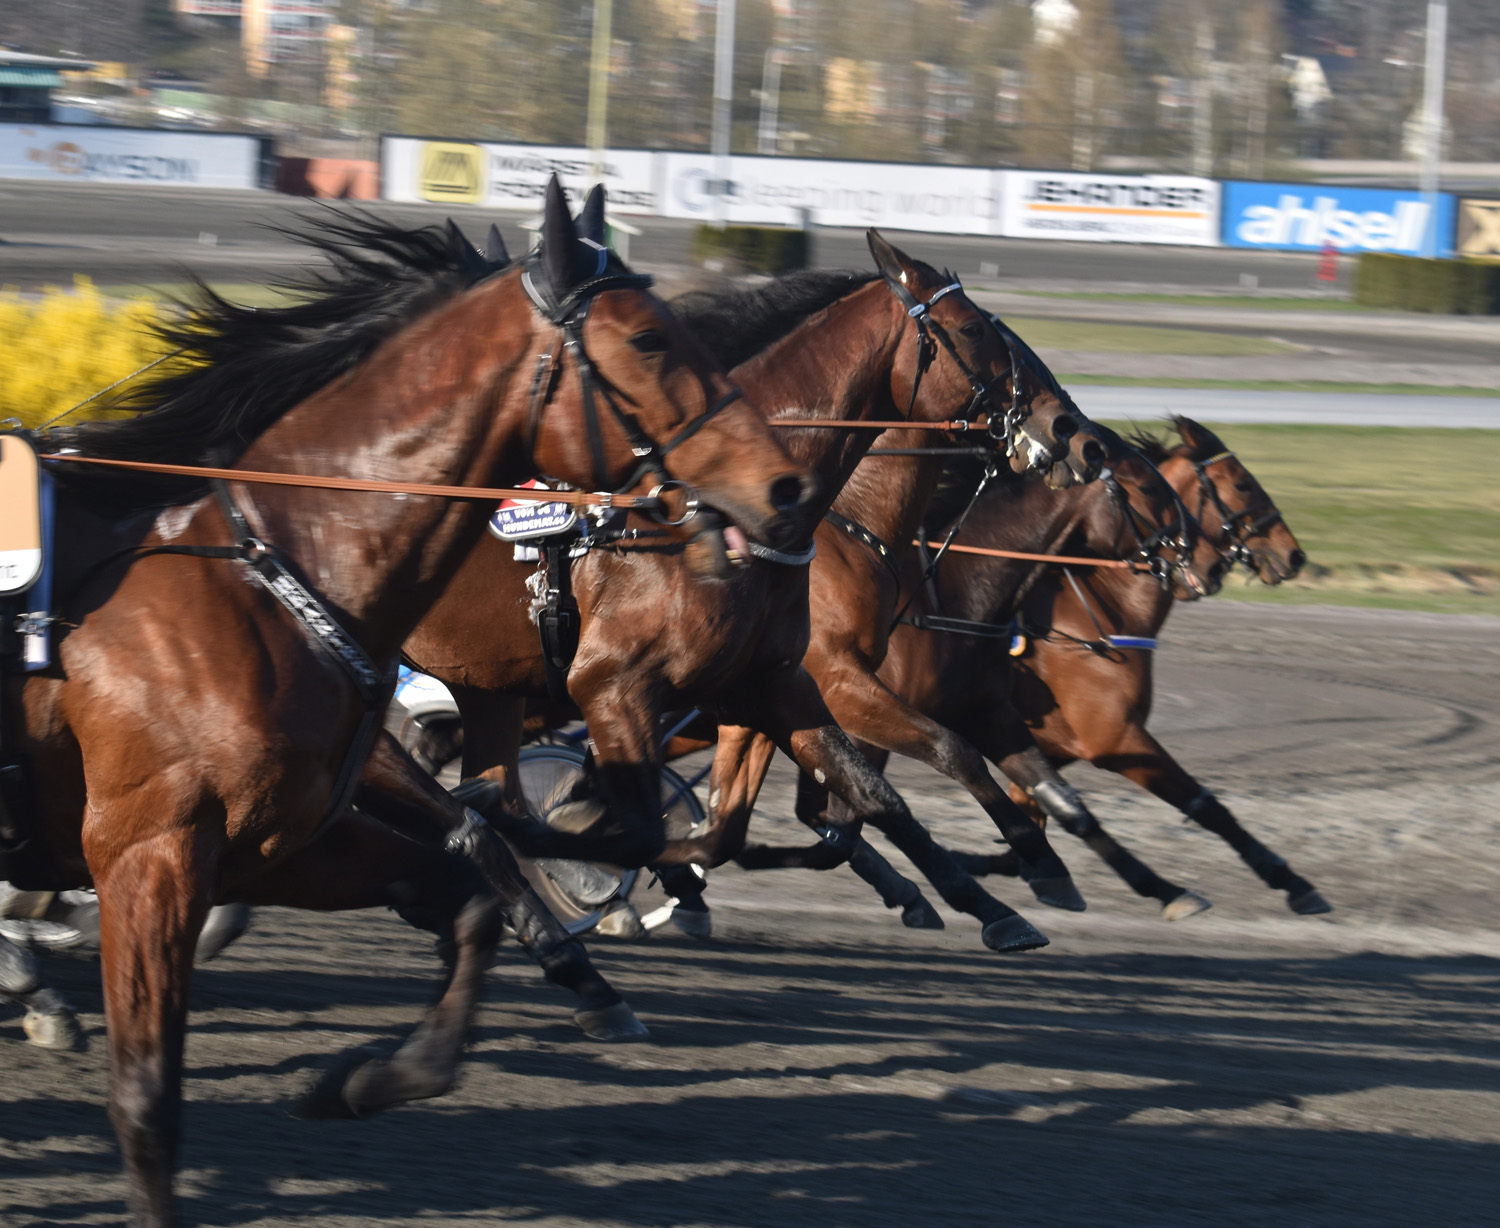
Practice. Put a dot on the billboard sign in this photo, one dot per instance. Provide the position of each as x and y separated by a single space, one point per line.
1479 229
76 153
510 176
1309 217
776 191
1176 209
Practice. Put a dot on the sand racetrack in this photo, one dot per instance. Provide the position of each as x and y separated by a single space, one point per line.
815 1064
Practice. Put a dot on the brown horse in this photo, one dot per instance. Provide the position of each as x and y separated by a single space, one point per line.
654 639
927 700
193 740
1093 705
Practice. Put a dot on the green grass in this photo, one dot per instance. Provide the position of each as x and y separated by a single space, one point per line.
1388 516
1253 302
1141 339
1261 385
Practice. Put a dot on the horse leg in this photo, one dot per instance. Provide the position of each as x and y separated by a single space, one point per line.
359 862
1139 757
397 792
493 733
49 1022
893 887
153 897
875 714
1005 740
794 710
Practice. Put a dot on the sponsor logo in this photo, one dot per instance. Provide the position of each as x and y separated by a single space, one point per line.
518 520
1116 196
66 158
1479 228
1291 223
451 173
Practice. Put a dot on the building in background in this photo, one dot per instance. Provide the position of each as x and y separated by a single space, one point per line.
27 82
276 32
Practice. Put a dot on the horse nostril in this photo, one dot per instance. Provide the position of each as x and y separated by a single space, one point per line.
1064 426
1295 561
1094 455
787 493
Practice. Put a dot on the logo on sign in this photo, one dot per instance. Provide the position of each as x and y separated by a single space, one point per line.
1479 228
518 520
451 173
1290 223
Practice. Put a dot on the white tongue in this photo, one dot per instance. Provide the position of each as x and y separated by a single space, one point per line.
736 541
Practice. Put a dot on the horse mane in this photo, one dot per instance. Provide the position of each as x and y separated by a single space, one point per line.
1157 450
736 323
1149 445
241 368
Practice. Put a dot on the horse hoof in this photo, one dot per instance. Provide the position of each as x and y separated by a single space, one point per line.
617 1022
225 924
920 915
1058 893
694 922
1188 904
1309 904
621 921
325 1100
1013 933
53 1026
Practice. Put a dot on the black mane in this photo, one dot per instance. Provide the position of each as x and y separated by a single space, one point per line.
737 323
1157 450
242 368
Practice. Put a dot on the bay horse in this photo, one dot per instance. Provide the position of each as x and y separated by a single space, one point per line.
655 640
192 740
1093 705
898 678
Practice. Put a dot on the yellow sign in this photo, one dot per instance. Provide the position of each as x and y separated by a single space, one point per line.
1479 228
451 173
20 515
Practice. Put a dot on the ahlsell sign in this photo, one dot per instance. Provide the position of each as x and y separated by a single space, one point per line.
1110 208
1479 228
1309 217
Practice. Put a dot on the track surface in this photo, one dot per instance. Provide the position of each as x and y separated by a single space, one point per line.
817 1065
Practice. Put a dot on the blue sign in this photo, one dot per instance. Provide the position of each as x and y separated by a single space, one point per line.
1308 217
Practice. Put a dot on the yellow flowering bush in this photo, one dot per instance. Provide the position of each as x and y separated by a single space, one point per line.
65 345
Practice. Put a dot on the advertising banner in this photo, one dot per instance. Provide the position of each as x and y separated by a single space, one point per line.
510 176
775 191
1479 228
1308 217
1110 208
73 153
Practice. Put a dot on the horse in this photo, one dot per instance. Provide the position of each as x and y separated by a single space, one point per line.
227 649
898 678
903 344
1094 705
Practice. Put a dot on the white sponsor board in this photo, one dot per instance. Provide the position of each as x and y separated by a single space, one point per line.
510 176
1110 208
774 191
72 153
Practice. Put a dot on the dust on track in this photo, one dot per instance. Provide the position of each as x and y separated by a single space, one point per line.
818 1065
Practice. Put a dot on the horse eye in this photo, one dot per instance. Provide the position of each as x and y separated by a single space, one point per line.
650 342
1242 487
972 331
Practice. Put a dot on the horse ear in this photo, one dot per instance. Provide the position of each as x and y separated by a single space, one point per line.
591 219
494 247
559 240
468 257
892 261
1192 434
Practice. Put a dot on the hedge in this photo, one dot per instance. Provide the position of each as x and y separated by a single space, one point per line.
752 249
1407 283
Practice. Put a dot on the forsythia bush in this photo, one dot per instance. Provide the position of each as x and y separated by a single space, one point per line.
68 344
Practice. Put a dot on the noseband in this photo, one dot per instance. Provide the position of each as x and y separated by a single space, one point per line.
1238 527
570 313
931 334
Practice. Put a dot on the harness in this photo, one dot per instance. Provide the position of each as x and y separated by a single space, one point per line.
1237 527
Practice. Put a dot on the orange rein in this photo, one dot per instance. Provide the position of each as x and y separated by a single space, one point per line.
960 424
486 493
1039 558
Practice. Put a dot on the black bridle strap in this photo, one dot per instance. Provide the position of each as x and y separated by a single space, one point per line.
931 569
858 531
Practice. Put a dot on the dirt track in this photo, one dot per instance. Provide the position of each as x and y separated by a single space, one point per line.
818 1065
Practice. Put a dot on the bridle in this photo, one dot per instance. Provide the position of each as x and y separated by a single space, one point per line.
1149 542
1006 427
569 313
1236 527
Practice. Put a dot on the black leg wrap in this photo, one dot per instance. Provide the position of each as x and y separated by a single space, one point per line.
1061 802
1209 813
682 885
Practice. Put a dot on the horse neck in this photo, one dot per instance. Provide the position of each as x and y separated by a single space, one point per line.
441 402
838 363
889 494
